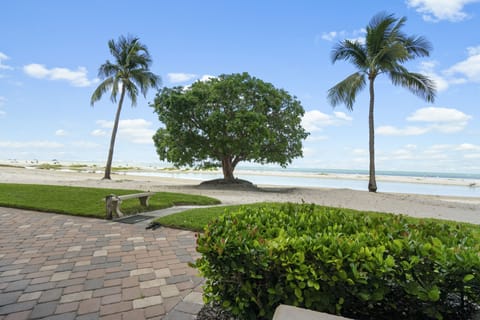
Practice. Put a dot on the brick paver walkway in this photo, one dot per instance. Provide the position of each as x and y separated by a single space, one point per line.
61 267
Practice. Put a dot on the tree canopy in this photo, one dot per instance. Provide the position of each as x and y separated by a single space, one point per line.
228 119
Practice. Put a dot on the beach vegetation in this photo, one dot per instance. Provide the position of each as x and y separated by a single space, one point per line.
228 119
385 49
127 75
87 202
356 264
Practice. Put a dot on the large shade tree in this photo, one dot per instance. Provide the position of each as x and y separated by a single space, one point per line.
128 74
228 119
385 50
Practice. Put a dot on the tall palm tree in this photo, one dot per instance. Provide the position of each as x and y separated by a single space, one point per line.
129 73
384 51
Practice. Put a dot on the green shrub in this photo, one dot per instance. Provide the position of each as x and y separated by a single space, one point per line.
359 265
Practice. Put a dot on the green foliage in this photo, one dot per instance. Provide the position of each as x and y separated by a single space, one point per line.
88 202
228 119
359 265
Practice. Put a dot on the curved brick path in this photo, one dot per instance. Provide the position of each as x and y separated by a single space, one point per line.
61 267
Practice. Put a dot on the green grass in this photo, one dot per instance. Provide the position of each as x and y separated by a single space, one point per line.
197 219
88 202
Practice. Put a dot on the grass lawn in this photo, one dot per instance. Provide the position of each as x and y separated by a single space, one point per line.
88 202
197 219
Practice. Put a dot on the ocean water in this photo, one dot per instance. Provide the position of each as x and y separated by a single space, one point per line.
313 178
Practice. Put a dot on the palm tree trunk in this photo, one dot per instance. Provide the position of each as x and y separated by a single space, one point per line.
108 166
227 168
372 183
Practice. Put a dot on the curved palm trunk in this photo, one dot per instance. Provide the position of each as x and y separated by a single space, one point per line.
108 166
372 183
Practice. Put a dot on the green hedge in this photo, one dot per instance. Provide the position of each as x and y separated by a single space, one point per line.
359 265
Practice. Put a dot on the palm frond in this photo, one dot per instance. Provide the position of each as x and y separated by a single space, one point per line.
107 69
416 83
418 46
130 70
103 87
350 51
346 90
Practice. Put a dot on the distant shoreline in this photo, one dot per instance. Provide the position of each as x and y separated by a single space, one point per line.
142 170
465 209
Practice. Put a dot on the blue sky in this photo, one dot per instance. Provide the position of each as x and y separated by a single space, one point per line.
51 50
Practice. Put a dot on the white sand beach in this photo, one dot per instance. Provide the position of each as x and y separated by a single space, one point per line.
464 209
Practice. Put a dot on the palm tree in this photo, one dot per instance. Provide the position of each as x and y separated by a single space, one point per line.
127 74
385 49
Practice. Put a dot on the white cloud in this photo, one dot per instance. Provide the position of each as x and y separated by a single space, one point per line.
30 144
315 120
135 130
436 114
77 78
427 68
98 133
180 77
3 66
436 10
469 69
442 120
2 113
342 116
332 35
206 77
60 133
407 131
355 35
467 147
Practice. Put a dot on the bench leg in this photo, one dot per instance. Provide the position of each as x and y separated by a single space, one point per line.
117 208
109 207
144 201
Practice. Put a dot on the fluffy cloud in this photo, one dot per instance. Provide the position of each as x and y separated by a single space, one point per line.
77 78
436 10
60 133
2 102
433 114
467 147
356 35
442 120
98 133
469 69
180 77
3 66
135 130
407 131
315 120
427 68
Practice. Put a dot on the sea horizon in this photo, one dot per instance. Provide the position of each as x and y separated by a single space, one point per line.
414 182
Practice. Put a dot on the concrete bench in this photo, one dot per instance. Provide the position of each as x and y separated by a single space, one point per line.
114 202
284 312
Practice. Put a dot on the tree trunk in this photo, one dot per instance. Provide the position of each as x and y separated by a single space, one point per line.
372 183
108 166
228 167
